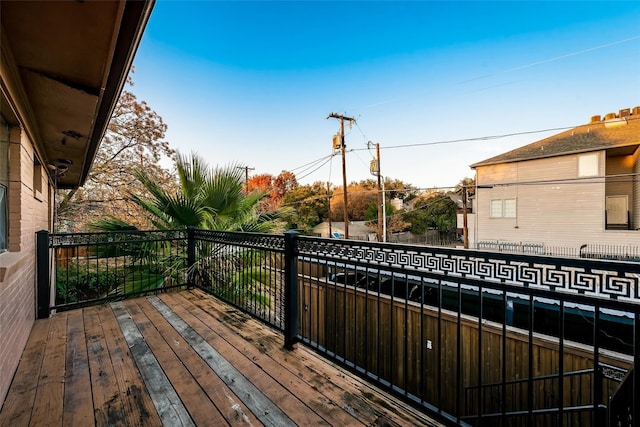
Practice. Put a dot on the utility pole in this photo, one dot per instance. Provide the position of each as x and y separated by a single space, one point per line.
344 167
246 176
382 214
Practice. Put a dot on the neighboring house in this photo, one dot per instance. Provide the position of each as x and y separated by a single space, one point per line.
62 68
578 187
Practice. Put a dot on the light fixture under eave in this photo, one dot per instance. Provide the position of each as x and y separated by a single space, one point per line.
60 166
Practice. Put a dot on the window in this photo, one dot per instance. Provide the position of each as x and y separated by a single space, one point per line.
496 209
510 208
588 165
503 208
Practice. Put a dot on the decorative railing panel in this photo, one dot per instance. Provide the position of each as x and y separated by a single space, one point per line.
271 242
605 279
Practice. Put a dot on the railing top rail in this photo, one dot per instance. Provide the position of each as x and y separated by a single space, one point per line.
272 242
616 280
125 236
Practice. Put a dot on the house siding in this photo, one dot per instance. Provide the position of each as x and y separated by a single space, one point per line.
566 213
27 214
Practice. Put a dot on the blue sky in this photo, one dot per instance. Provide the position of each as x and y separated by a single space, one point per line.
254 82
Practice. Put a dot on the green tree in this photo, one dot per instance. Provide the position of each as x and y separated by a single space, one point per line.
134 141
394 188
434 211
470 183
310 203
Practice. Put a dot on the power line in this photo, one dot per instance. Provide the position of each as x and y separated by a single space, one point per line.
555 58
579 180
443 142
317 168
312 162
487 137
600 179
505 71
452 141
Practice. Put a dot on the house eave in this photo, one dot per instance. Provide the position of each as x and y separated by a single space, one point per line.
566 153
64 65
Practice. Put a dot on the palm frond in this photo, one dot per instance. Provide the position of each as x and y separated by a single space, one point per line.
110 224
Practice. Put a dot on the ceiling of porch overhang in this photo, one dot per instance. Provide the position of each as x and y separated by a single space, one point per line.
64 64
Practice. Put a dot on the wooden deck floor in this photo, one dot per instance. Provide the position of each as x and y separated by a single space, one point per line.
183 359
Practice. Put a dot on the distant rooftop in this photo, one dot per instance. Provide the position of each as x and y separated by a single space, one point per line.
612 131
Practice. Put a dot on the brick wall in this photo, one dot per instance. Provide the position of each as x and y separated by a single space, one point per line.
28 213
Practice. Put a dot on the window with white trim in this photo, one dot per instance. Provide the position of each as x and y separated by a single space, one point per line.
509 208
503 208
495 210
588 165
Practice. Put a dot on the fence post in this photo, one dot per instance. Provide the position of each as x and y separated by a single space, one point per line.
191 255
43 288
290 289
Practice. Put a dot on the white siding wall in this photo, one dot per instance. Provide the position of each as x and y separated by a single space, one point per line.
568 214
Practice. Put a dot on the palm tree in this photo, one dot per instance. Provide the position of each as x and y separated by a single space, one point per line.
209 199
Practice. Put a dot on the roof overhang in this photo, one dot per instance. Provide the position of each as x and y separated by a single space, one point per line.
615 150
63 66
617 136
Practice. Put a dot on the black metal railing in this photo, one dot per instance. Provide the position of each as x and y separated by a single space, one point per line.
89 268
611 252
591 251
473 337
244 269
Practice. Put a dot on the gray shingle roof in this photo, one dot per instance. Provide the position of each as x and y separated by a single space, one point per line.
591 137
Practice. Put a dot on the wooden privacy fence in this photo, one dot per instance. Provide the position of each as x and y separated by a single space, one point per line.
414 346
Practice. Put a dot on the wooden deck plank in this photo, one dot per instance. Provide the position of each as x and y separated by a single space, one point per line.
78 404
249 386
195 401
259 351
274 359
107 401
18 405
167 402
356 396
230 406
47 407
137 404
184 337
